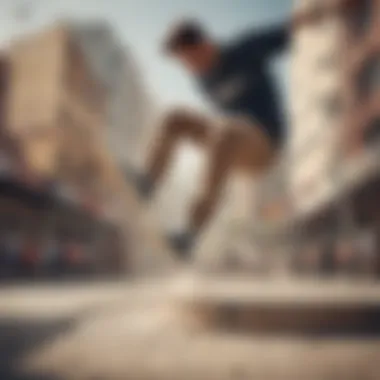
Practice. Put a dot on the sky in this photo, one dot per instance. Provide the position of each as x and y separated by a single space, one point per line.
141 25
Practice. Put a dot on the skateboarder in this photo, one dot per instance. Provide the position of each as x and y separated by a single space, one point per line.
235 77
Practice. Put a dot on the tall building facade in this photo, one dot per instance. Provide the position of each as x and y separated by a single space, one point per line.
4 78
129 112
130 106
57 108
335 121
317 83
35 63
334 112
11 156
361 132
362 76
60 92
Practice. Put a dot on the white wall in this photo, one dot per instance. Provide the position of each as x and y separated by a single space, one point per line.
130 104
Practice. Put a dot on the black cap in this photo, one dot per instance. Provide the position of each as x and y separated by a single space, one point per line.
184 34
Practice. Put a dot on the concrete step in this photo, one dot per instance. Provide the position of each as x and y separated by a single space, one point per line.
285 306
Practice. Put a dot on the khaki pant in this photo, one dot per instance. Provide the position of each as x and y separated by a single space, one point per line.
238 145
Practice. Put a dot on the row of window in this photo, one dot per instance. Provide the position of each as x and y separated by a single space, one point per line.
80 83
367 81
371 134
362 17
360 22
367 85
327 103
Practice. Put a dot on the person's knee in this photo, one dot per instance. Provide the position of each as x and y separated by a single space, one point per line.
229 139
176 121
188 124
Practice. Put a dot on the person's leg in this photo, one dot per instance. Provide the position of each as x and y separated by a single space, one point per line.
240 147
177 126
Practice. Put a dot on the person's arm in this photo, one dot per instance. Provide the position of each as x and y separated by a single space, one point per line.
263 42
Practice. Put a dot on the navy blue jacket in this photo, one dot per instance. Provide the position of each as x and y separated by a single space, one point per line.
241 83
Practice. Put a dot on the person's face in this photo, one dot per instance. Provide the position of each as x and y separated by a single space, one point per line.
198 59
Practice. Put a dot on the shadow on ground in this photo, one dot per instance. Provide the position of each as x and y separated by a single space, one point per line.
21 337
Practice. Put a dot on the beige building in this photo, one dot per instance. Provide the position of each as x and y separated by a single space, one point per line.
4 77
334 102
34 97
62 110
316 108
335 180
361 77
56 107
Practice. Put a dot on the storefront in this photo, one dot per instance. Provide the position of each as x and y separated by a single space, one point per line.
54 236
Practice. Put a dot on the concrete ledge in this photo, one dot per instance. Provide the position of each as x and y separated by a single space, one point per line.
304 307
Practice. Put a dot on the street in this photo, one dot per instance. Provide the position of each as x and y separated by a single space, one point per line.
121 330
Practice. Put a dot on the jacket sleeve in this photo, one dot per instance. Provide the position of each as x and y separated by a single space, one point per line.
265 42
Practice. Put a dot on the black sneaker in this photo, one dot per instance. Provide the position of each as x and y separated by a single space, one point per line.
141 182
182 243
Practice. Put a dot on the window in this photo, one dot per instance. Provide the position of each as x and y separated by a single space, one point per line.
368 80
360 17
372 132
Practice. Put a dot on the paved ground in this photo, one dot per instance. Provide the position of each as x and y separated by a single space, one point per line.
122 331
